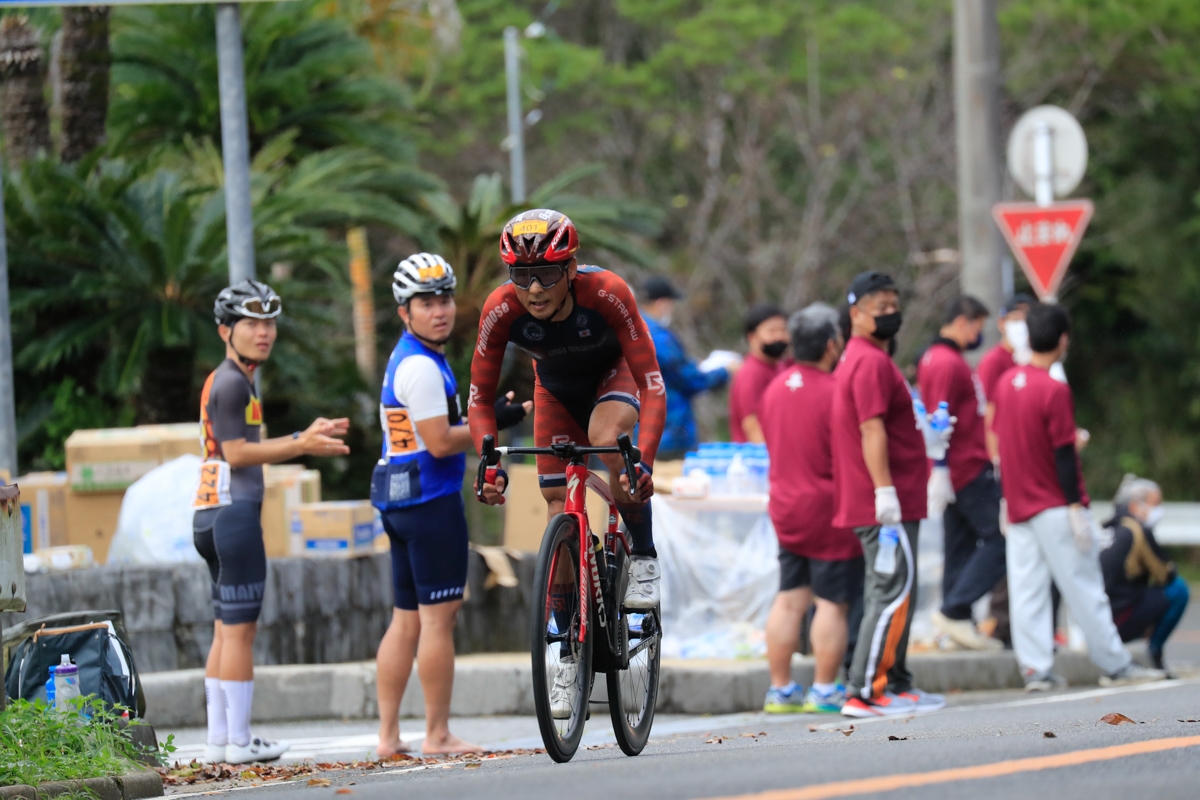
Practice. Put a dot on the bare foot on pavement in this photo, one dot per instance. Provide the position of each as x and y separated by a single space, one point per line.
392 749
450 745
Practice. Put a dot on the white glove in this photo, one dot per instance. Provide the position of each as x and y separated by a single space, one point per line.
937 442
1081 528
1003 517
887 506
941 491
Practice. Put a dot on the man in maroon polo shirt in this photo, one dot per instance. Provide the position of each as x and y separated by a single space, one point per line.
816 560
1050 529
766 340
880 472
963 487
1012 349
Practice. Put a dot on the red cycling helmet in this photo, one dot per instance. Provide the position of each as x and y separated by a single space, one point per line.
540 236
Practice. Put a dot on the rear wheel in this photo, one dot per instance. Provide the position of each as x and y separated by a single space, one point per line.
562 664
633 691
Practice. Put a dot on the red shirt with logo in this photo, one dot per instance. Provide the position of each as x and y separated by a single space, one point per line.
1035 415
994 363
746 391
944 376
869 384
795 416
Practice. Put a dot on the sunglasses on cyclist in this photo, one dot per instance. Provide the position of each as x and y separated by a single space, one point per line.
545 274
262 309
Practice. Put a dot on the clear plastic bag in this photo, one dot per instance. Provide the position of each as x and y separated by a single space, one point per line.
155 525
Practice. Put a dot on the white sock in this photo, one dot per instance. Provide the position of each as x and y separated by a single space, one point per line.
238 697
790 686
824 688
218 725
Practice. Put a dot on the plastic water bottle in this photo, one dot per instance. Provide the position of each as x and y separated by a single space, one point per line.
938 425
885 559
737 477
66 684
50 688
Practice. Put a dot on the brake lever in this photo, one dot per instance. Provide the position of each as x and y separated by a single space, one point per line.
488 455
630 456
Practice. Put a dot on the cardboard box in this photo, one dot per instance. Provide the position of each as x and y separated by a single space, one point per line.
342 528
525 510
665 473
287 487
175 440
111 459
92 520
43 509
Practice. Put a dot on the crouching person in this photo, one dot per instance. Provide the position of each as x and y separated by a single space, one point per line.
1147 595
817 561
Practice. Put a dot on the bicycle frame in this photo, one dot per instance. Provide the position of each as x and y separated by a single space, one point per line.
579 480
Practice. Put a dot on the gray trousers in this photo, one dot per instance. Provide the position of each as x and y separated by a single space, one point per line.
879 663
1042 548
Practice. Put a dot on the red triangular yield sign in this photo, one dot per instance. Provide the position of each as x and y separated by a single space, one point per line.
1043 238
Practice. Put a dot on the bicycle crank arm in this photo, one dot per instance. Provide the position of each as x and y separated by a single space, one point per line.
643 644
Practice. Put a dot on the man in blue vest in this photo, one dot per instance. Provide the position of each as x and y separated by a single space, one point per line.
683 378
417 487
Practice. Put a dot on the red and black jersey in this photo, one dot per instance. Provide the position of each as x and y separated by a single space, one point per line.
573 355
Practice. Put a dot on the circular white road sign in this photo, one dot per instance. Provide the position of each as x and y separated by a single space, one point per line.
1069 146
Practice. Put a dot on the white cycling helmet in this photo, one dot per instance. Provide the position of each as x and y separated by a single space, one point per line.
423 273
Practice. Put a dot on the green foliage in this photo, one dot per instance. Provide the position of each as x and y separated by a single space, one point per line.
38 745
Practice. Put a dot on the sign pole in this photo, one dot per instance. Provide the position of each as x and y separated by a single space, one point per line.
8 415
235 142
516 121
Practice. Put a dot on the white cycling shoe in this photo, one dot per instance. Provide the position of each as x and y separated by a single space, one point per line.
257 750
214 753
644 576
563 689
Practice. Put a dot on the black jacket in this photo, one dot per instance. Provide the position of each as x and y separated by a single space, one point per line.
1133 562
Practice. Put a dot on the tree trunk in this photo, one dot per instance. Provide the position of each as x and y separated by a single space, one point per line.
86 63
167 393
25 121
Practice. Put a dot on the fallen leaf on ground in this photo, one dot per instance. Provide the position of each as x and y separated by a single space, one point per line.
344 791
897 738
848 731
1189 720
815 728
1117 719
472 765
716 740
1049 735
319 782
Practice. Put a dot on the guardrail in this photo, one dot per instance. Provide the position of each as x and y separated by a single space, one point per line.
1180 522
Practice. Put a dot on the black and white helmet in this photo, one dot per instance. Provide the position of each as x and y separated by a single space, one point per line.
249 298
423 273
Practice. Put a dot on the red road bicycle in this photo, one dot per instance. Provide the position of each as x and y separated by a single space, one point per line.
578 621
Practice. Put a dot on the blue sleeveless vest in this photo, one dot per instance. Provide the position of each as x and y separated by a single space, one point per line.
406 473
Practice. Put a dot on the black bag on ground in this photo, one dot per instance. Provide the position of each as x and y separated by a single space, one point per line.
106 665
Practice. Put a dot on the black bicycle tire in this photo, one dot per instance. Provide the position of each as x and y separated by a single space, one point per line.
632 739
560 748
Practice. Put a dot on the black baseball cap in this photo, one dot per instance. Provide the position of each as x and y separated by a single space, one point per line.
1018 299
868 283
657 287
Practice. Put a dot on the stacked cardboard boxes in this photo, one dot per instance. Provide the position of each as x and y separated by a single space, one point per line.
43 510
288 486
344 528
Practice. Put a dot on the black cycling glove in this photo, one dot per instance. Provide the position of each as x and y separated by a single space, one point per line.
508 414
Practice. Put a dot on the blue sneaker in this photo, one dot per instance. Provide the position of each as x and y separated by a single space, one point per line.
826 703
784 700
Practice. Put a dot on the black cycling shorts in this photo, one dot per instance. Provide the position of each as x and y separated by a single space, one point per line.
838 581
230 539
429 551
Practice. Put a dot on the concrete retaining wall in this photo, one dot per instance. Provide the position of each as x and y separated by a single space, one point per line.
316 611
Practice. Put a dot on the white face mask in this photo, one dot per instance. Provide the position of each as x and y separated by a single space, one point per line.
1016 333
1153 516
665 320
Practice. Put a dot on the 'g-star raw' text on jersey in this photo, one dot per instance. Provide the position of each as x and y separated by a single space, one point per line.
1035 415
417 385
573 355
944 376
230 409
794 414
869 384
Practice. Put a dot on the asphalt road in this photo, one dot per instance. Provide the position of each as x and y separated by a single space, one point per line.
980 747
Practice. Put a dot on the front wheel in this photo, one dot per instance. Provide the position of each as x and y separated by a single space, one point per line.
562 664
633 691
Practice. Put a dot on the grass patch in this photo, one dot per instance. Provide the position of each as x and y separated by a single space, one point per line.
39 745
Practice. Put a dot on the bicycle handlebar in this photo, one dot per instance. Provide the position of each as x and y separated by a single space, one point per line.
490 456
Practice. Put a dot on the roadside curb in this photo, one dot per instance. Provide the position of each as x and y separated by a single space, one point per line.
130 786
499 684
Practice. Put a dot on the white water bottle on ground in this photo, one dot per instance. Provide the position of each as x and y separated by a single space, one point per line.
885 558
66 685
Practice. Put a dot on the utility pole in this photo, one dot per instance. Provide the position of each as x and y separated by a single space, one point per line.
980 165
235 142
516 120
8 413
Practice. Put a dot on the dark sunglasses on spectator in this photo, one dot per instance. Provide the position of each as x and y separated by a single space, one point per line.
545 274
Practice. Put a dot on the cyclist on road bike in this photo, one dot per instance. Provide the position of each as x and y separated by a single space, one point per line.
596 373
